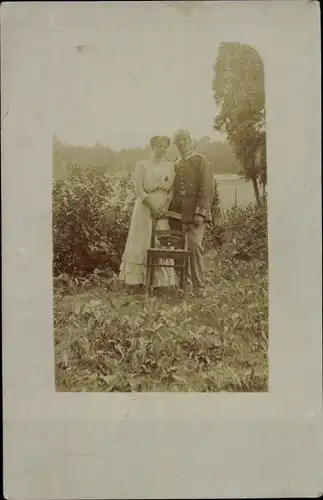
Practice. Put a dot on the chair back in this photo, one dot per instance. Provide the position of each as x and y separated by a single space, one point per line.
168 238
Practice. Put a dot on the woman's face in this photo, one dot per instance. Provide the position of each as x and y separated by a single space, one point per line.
160 149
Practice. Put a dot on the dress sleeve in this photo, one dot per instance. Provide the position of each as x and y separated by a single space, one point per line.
139 182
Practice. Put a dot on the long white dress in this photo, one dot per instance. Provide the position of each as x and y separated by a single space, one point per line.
153 178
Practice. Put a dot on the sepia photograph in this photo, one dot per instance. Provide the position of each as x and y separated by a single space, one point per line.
160 251
162 295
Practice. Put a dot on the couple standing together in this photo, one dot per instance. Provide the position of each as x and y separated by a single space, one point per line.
184 187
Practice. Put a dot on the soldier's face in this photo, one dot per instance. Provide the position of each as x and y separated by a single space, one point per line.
183 145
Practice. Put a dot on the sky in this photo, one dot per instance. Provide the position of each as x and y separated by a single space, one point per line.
146 69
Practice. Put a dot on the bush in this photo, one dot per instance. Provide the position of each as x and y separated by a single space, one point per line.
243 232
91 217
215 205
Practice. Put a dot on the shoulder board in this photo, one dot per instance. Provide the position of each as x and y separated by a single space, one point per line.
194 155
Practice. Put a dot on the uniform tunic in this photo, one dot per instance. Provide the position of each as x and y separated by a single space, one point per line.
193 193
193 188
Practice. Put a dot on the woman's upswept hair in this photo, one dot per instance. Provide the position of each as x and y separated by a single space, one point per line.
159 138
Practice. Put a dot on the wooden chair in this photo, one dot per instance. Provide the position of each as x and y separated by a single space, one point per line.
171 245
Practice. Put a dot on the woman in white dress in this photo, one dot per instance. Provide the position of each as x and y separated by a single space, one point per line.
154 180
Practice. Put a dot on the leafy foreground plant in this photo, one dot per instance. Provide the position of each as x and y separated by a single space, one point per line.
107 339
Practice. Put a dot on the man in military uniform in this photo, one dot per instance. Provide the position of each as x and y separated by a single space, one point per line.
193 194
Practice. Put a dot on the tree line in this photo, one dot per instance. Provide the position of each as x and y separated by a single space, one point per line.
122 162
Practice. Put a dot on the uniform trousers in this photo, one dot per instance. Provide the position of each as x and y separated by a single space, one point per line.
194 237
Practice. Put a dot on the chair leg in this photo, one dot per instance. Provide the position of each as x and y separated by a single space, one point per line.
148 274
151 277
182 276
185 275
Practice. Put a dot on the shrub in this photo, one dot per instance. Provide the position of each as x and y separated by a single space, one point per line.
243 232
215 205
91 216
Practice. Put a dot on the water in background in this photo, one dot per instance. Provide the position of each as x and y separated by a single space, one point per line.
227 184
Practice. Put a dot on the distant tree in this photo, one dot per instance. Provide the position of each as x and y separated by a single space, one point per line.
239 93
220 155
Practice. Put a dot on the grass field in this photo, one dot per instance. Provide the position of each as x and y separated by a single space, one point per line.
109 339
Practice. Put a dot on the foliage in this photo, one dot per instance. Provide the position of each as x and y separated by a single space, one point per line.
220 155
239 93
215 205
242 232
110 339
91 216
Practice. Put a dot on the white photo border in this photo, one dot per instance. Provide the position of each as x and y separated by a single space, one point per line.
164 445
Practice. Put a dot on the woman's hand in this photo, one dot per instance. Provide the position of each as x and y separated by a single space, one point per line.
162 211
155 212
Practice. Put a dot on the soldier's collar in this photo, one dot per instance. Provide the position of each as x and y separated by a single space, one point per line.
189 155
